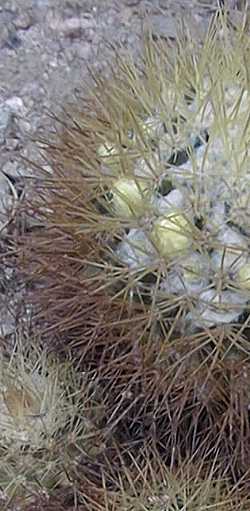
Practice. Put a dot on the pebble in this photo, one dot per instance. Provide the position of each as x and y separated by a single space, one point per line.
70 27
12 144
25 126
15 105
53 63
7 326
10 6
10 167
84 50
4 34
11 108
6 202
4 189
5 119
13 42
23 21
164 27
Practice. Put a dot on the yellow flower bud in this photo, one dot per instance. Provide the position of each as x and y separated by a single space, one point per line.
130 197
244 276
171 235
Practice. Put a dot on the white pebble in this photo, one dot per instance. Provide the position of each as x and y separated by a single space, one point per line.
16 106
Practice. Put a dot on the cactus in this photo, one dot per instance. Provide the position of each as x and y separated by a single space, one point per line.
147 484
44 419
142 268
157 175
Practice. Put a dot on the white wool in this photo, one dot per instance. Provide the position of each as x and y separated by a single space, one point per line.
174 201
177 284
136 250
191 278
227 257
215 308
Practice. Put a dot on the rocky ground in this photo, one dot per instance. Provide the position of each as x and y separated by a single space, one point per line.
46 50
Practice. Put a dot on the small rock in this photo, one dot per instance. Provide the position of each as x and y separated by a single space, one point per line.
4 34
25 126
163 5
7 325
23 21
5 119
13 172
4 187
84 50
6 202
164 26
13 41
10 6
70 27
53 63
15 105
10 167
12 144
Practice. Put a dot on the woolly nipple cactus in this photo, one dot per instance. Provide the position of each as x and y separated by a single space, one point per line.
177 196
32 400
43 423
154 166
151 486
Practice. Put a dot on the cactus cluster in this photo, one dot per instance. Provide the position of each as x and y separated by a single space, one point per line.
176 193
158 173
138 270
